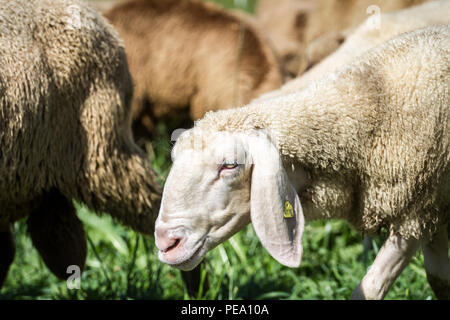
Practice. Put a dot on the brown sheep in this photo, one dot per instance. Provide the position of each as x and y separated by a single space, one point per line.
294 24
186 53
65 94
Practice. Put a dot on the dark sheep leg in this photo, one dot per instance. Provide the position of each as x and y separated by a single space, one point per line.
437 264
58 234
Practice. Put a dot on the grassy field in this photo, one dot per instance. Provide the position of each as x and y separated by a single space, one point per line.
122 264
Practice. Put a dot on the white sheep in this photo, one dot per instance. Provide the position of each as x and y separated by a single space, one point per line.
368 36
370 143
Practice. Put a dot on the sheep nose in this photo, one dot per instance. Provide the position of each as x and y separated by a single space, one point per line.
165 241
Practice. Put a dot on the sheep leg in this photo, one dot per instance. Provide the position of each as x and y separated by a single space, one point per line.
367 246
58 234
143 125
392 258
437 264
8 251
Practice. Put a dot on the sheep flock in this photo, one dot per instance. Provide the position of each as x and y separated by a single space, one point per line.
303 110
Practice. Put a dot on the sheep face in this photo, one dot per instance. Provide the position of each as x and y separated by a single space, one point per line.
218 183
206 198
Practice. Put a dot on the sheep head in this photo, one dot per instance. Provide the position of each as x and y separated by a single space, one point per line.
219 182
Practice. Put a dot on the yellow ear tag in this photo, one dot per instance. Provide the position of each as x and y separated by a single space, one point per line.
288 210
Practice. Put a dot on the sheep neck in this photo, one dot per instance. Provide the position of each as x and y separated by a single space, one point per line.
314 132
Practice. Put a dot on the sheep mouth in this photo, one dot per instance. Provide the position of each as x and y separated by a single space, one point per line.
173 246
190 263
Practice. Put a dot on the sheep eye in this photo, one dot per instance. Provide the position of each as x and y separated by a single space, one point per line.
229 165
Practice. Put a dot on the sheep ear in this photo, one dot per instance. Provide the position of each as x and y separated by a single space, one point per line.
276 212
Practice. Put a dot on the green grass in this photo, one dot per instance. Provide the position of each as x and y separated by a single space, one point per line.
122 264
